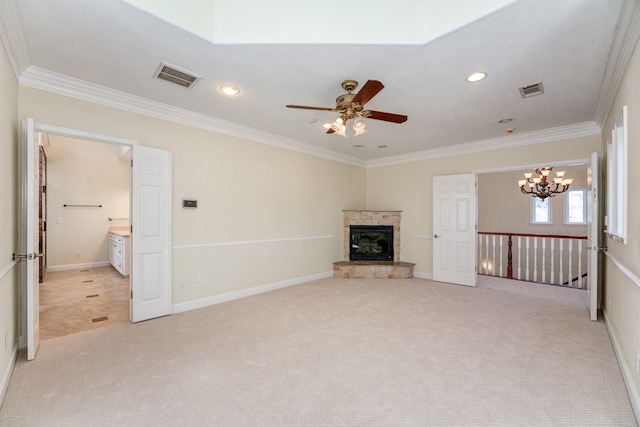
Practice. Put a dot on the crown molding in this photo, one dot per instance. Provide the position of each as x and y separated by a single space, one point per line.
536 137
38 78
12 36
42 79
624 42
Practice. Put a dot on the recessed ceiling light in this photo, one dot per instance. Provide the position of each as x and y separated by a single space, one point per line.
505 121
358 146
229 90
382 146
476 77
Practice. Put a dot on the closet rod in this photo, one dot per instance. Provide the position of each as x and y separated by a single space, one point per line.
82 206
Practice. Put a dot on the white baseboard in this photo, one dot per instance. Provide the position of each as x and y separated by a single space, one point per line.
78 266
634 397
419 275
6 375
230 296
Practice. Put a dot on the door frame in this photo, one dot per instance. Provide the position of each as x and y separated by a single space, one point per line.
84 135
575 162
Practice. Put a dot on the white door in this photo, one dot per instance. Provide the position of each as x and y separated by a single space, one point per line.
29 238
454 229
593 234
151 233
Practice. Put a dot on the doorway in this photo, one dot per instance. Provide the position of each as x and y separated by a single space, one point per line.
150 213
88 195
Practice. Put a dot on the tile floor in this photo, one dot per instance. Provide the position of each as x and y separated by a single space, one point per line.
73 301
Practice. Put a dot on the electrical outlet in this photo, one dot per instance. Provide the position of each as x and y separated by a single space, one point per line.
182 287
60 220
77 254
198 284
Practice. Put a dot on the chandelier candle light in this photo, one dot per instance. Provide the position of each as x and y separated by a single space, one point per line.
540 187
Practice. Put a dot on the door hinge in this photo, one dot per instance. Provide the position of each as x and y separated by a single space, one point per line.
131 294
131 162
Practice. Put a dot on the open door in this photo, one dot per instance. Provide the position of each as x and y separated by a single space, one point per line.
150 233
454 229
29 237
593 235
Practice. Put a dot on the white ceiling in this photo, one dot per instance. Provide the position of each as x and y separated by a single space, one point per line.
564 44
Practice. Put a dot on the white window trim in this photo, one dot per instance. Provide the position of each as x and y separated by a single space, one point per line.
617 188
533 213
584 206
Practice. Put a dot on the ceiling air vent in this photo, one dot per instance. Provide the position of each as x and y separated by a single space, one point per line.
531 90
176 76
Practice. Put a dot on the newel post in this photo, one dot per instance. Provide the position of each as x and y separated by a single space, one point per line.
509 260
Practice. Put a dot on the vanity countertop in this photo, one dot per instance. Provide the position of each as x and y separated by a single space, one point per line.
120 230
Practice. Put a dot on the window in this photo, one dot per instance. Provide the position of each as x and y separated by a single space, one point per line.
575 206
617 179
540 210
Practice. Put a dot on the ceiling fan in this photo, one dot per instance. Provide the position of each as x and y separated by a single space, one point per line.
351 107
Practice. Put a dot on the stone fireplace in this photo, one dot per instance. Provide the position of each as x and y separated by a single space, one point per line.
371 218
372 246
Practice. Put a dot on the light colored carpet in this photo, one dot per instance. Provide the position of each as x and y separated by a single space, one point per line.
338 352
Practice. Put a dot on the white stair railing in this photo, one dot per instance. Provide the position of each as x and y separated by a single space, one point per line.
531 255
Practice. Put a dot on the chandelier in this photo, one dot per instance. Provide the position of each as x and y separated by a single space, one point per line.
344 124
540 186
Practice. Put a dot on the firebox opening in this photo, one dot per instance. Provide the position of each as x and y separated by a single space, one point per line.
371 243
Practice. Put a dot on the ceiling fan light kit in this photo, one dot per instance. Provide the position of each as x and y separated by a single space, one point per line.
350 106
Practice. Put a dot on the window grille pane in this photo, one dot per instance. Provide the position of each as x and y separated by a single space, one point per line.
575 206
541 211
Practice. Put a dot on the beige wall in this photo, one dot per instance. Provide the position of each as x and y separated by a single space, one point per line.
83 172
408 187
9 191
265 215
621 293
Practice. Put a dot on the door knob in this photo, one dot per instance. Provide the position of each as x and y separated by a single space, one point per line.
436 236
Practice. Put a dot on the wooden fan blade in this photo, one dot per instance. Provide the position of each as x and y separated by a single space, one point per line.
387 117
368 91
304 107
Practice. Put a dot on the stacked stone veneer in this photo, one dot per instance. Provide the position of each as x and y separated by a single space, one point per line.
372 269
372 218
